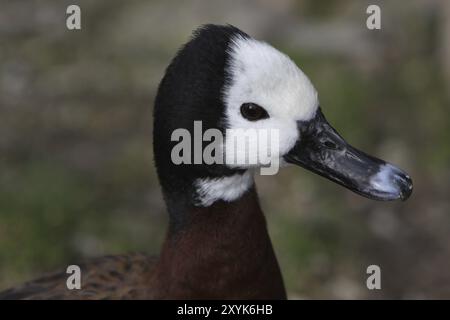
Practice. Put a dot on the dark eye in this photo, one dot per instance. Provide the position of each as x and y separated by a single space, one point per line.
253 112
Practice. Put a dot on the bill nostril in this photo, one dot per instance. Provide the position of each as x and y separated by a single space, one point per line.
330 145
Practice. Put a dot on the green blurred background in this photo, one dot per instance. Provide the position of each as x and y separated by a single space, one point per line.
76 165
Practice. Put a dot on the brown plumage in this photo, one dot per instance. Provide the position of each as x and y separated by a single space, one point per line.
109 277
223 252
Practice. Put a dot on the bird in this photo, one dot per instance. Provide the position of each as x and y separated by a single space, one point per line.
217 245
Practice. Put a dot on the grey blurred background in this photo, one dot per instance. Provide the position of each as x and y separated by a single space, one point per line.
76 172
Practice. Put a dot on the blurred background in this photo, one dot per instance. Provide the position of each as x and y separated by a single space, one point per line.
76 165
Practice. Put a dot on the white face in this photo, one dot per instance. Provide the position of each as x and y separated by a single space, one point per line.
263 75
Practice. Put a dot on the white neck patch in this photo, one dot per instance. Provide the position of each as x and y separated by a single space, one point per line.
210 190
